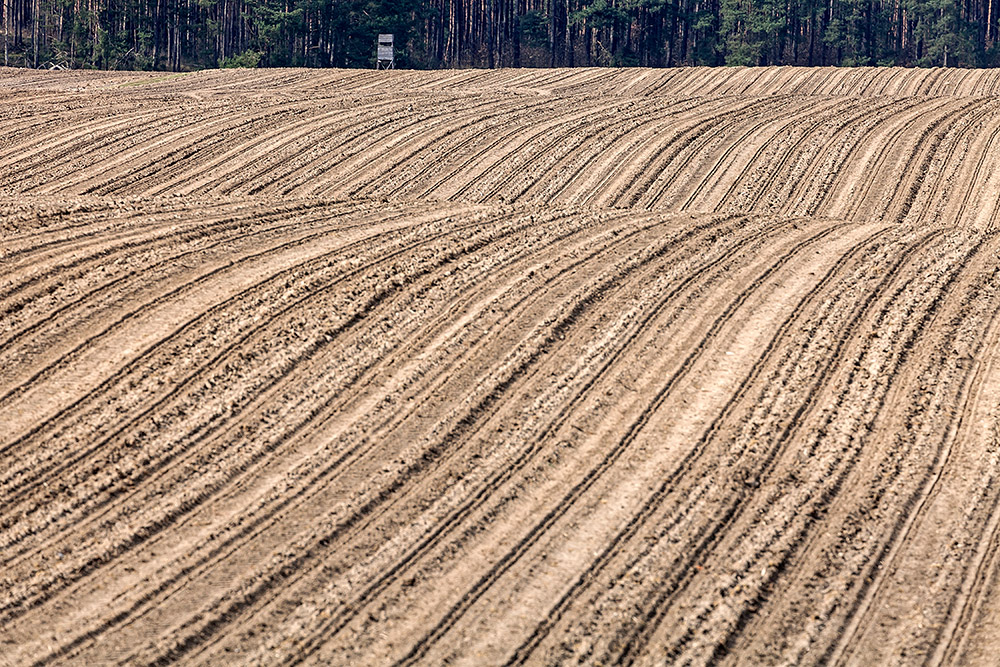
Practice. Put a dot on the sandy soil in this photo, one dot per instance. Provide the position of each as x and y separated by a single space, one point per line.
516 367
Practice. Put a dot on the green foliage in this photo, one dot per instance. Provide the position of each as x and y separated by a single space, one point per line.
248 59
706 50
534 26
600 14
947 34
752 31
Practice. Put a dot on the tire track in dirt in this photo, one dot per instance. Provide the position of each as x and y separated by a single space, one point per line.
560 421
883 488
319 260
422 464
68 362
634 524
836 473
324 473
421 648
916 536
115 264
687 553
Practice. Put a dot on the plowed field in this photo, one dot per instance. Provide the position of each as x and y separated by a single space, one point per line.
515 367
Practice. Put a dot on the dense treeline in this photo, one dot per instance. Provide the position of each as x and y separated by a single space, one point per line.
184 34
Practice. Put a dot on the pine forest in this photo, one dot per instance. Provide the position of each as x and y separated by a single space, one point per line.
178 35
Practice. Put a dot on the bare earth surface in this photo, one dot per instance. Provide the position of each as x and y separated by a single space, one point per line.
500 367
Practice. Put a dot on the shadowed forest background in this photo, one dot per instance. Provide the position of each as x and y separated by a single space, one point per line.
192 34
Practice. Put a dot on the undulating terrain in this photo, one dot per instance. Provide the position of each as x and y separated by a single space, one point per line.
500 367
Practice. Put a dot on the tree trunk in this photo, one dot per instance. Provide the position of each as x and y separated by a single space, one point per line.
552 33
490 39
35 11
517 40
570 41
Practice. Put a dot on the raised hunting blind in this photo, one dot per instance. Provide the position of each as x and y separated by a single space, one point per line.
385 53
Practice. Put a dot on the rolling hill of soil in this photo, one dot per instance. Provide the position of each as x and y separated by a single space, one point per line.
500 367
